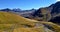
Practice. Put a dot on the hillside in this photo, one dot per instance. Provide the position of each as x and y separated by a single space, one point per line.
40 14
10 18
50 13
10 22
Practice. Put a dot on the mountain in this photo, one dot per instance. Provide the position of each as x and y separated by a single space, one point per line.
55 20
41 14
6 10
45 19
27 13
24 13
55 13
56 8
48 13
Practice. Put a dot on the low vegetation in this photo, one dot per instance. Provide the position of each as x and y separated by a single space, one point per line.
10 22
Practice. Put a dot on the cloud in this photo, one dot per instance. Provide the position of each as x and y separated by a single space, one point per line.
57 0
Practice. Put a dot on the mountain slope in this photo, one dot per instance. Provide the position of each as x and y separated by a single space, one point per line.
10 18
10 22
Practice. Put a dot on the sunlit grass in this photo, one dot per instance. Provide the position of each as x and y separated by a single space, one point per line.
55 27
15 23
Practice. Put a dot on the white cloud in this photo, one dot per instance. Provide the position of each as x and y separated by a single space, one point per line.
57 0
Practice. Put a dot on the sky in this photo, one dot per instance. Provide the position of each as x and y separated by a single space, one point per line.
25 4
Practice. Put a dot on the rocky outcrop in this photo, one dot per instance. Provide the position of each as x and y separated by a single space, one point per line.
56 9
55 20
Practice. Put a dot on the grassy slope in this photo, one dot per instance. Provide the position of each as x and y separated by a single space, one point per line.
8 20
55 27
12 22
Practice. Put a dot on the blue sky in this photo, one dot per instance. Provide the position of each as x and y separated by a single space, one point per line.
25 4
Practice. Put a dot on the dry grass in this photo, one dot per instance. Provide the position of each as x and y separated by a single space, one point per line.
15 23
55 27
29 29
8 20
